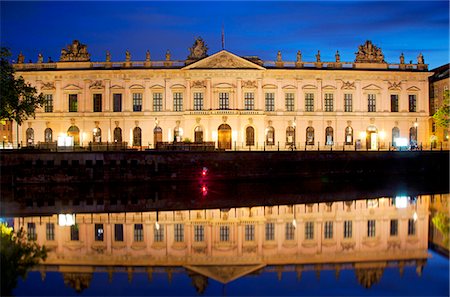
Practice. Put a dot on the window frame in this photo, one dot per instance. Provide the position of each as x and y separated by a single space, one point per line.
198 100
329 102
137 99
371 102
73 102
309 102
348 102
97 102
224 100
249 100
157 101
177 101
289 98
269 99
117 102
394 103
48 103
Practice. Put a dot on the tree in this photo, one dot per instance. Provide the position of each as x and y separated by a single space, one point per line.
18 255
442 222
19 99
441 117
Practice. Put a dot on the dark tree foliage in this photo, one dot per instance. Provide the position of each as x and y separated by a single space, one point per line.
19 99
18 255
441 117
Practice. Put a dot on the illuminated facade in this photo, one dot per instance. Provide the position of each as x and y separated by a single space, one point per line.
230 100
439 84
225 244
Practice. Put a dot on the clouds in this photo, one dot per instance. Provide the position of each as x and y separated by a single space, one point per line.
251 28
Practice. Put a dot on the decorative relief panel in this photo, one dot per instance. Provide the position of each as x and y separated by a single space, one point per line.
249 84
347 85
394 85
369 53
48 86
75 52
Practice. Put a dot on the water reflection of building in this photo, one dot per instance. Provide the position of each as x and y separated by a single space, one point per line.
225 244
439 204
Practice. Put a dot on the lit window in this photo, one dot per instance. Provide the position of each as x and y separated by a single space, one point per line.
348 102
177 101
309 102
249 101
137 102
270 101
157 101
289 101
198 101
328 102
224 102
48 105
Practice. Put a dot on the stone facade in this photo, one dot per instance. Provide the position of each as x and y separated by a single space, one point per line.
439 84
230 100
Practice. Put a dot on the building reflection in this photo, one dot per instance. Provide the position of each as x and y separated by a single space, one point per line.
224 244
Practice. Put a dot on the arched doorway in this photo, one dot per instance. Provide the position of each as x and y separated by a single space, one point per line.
372 138
349 135
329 136
413 136
310 136
137 136
395 135
270 136
74 132
224 137
157 135
48 135
198 134
30 136
290 135
249 136
97 135
117 135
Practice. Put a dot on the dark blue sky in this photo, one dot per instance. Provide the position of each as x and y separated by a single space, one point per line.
251 28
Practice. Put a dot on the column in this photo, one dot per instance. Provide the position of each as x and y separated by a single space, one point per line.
107 101
385 98
188 101
279 99
319 95
84 102
127 102
259 96
300 100
147 96
168 100
358 96
238 104
403 100
59 98
339 97
207 99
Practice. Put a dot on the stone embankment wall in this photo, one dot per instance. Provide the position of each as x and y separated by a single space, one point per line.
27 167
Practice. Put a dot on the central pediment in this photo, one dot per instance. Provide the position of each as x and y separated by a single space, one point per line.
225 273
224 60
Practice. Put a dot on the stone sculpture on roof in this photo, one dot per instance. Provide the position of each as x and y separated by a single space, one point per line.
198 50
75 52
369 53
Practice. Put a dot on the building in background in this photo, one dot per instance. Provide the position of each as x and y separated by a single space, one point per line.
439 84
6 134
232 101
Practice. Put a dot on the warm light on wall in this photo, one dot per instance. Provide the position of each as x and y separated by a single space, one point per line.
382 134
66 219
362 134
214 135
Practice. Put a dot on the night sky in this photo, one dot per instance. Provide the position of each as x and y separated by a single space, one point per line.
251 28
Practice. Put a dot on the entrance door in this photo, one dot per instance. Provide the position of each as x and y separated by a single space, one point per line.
75 133
157 136
372 140
224 137
198 134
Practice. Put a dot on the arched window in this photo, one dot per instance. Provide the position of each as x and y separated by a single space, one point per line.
290 135
117 135
329 136
395 135
48 135
270 136
97 135
157 135
137 136
224 136
349 135
249 136
198 134
413 135
310 136
30 136
74 132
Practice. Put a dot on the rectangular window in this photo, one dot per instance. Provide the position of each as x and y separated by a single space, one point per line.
50 231
97 98
328 102
249 232
309 102
348 229
394 228
371 100
290 231
348 102
199 233
118 232
73 102
98 232
48 105
249 101
289 101
74 233
179 232
198 101
224 233
270 101
371 228
138 232
394 103
270 231
177 101
117 102
224 101
159 233
309 230
412 103
137 101
157 102
328 230
31 231
411 227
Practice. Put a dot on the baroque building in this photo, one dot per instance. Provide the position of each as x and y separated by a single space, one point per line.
231 101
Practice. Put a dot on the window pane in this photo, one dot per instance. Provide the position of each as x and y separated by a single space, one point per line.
328 230
117 98
118 232
347 229
199 234
309 102
224 101
50 231
249 101
348 102
179 232
412 103
270 231
290 231
31 231
73 103
394 103
411 227
270 101
98 229
328 102
48 105
289 101
371 103
198 101
137 102
249 232
74 232
138 232
224 233
159 233
309 230
371 228
177 102
157 101
97 102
